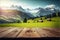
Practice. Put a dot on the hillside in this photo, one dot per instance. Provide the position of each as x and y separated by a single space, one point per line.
12 15
31 24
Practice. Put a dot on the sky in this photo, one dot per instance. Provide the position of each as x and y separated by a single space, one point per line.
29 3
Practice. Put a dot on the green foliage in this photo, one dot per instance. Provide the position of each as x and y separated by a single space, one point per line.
55 23
18 21
25 20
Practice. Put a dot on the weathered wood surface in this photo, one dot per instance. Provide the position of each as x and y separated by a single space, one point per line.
11 32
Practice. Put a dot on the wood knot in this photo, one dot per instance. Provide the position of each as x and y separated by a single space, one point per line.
15 30
29 31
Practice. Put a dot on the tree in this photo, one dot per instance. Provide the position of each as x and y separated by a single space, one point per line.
25 20
47 16
41 20
32 18
59 14
18 21
54 15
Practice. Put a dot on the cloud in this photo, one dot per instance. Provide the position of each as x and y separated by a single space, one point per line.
50 6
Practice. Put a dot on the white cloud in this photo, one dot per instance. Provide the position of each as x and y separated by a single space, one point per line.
9 3
34 11
50 6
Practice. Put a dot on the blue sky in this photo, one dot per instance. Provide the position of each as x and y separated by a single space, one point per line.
30 3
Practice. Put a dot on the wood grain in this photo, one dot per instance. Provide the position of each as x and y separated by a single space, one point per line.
14 32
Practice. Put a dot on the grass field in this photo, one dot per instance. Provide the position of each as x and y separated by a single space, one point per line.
55 23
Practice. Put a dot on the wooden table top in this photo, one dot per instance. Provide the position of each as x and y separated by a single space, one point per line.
14 32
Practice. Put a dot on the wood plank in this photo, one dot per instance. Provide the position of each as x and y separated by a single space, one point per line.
6 32
54 31
14 33
44 33
28 32
40 32
4 29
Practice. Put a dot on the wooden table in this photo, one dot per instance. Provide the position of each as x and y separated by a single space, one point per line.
14 32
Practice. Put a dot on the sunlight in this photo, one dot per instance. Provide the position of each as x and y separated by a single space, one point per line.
5 3
8 3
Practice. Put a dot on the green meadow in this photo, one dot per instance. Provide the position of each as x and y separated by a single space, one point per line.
55 23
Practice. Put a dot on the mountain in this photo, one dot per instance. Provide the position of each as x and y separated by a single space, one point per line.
32 11
13 14
43 12
17 13
37 12
19 8
46 11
